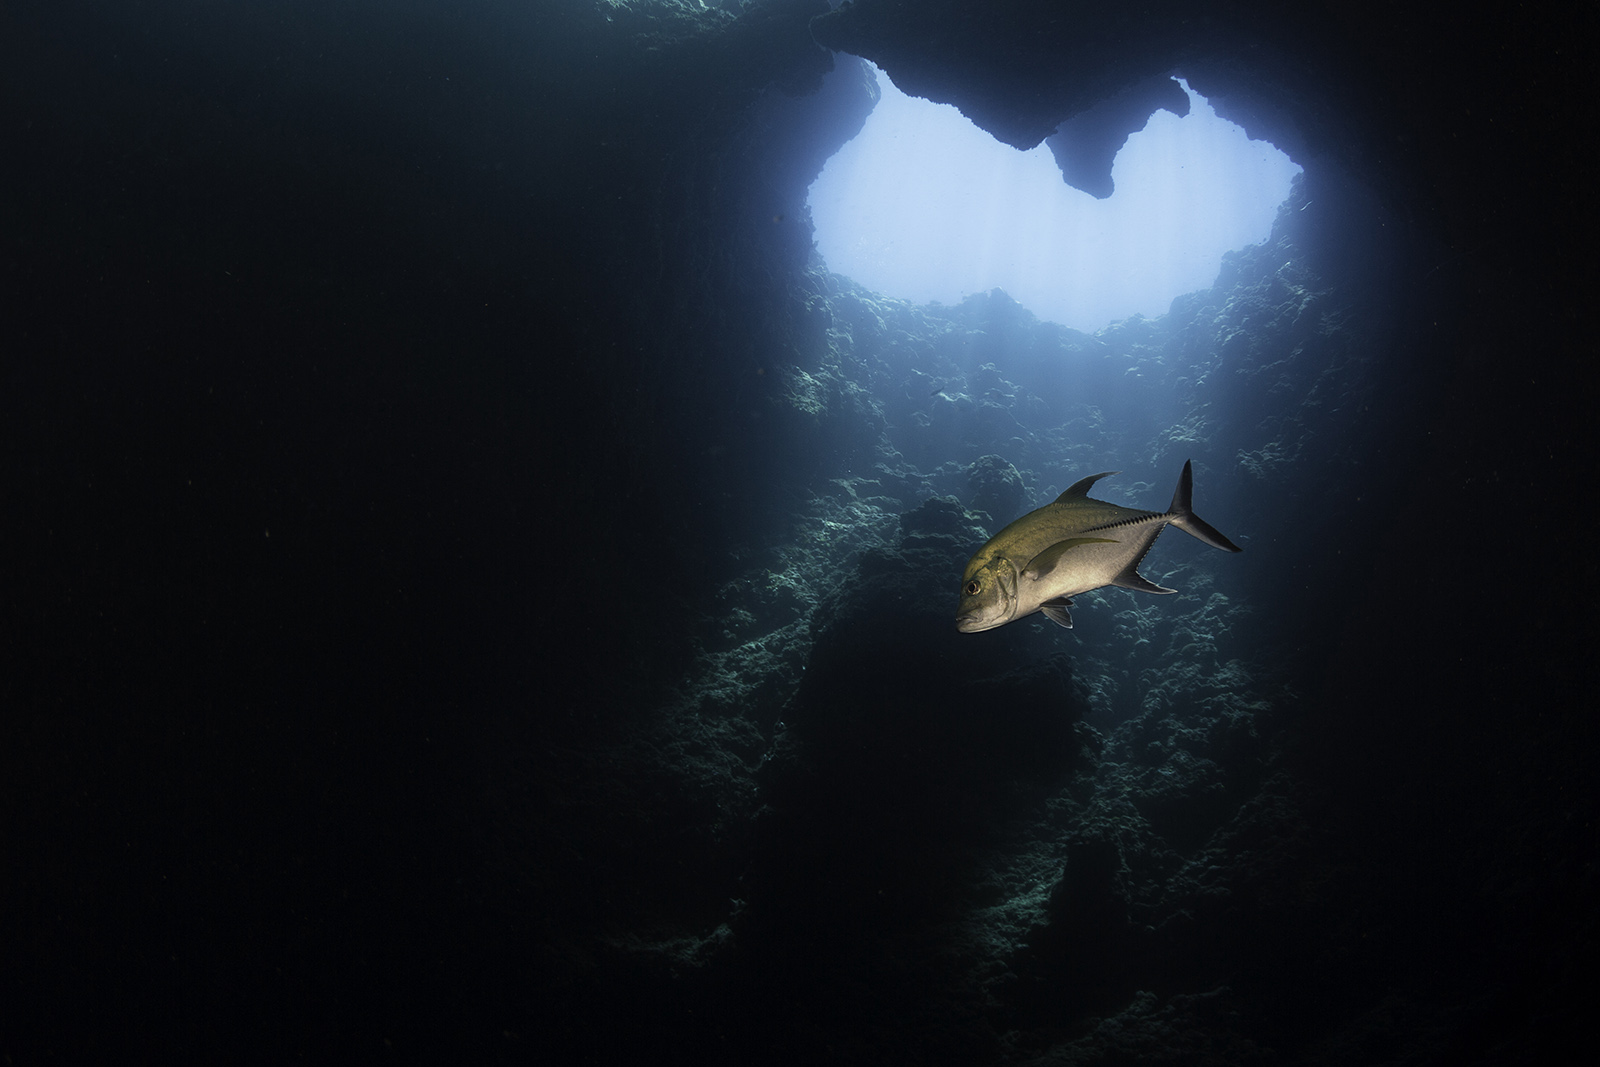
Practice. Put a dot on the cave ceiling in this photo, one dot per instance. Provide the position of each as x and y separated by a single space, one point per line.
1423 105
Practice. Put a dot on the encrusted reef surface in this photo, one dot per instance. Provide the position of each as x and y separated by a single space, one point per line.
474 587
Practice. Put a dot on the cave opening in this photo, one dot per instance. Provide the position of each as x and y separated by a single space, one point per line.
925 206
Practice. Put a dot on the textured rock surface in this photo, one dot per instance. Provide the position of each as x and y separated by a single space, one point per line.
475 587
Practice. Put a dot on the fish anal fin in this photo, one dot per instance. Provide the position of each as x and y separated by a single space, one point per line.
1056 611
1132 579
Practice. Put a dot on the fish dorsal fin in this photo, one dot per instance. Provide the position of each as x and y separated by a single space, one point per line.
1046 561
1079 490
1056 611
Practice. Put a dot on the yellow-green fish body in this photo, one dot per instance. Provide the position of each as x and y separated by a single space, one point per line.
1070 546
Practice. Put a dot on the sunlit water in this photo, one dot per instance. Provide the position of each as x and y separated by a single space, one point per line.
924 206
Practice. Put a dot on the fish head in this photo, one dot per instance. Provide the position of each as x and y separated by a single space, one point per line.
988 595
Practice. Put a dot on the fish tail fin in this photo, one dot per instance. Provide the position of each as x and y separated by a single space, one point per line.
1183 516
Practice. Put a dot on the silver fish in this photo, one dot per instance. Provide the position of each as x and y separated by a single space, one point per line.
1047 557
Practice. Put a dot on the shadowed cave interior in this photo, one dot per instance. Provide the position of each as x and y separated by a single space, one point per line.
483 585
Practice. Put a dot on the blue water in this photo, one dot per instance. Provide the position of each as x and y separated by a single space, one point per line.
475 585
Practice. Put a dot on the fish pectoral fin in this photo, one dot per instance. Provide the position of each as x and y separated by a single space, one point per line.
1046 561
1056 611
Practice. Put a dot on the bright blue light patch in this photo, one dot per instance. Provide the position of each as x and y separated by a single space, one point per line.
925 206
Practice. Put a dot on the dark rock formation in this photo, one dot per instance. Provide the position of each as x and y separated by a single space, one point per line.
473 584
1086 144
997 489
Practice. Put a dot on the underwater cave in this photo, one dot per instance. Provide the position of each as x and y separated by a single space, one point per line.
483 577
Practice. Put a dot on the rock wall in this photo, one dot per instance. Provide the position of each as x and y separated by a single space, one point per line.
474 584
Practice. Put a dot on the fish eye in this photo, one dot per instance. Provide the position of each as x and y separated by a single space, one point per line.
972 587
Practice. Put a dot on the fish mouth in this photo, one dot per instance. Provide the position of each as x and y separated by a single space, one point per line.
969 623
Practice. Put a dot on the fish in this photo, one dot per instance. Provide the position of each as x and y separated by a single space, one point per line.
1070 546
